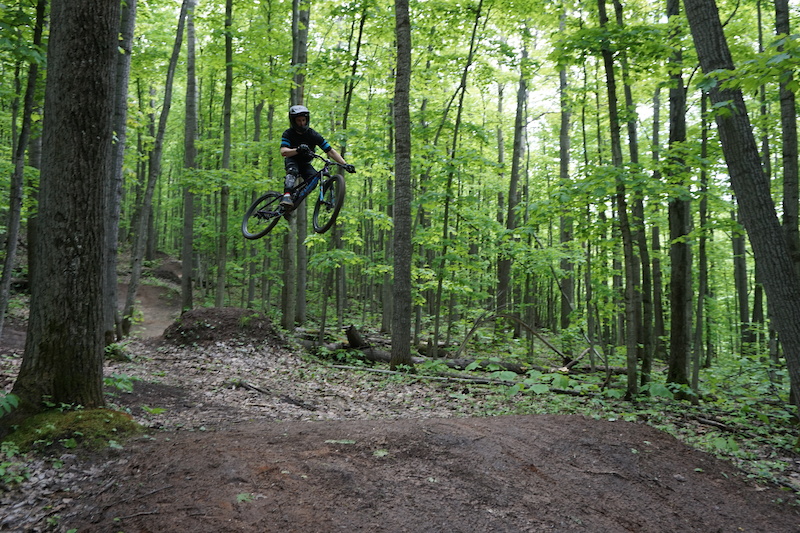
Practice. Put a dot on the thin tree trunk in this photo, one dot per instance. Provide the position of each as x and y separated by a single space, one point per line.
702 257
740 283
504 264
401 289
225 193
140 235
641 268
15 195
289 294
679 221
189 163
112 319
301 16
631 294
252 248
462 89
566 221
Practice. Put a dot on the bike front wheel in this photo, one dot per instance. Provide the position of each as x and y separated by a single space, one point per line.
262 216
328 203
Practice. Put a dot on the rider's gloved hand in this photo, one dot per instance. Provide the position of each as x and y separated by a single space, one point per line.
303 149
350 168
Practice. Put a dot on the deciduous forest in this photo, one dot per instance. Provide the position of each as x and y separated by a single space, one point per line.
595 198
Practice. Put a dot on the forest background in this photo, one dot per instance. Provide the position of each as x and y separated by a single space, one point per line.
567 181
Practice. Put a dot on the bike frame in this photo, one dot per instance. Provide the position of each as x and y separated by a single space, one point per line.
307 188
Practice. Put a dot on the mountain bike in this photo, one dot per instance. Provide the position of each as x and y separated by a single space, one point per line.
265 213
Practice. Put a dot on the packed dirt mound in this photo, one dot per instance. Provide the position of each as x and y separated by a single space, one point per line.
509 474
209 325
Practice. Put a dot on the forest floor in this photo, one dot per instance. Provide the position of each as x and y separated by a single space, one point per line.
246 433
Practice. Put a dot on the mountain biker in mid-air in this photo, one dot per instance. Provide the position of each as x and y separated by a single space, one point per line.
297 145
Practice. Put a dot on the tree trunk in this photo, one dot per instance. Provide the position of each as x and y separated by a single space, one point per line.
641 268
189 164
63 359
112 319
155 169
566 220
740 283
504 264
252 248
442 267
301 16
756 208
702 257
679 221
631 290
289 294
791 173
652 312
401 288
225 193
15 195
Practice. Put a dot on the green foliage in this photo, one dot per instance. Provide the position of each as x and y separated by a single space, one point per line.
779 59
13 468
8 402
122 382
244 497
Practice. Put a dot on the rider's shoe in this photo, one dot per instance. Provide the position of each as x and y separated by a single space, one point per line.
286 201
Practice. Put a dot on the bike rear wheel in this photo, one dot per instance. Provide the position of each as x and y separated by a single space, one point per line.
262 216
328 204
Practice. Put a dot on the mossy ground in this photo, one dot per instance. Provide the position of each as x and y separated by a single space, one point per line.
93 429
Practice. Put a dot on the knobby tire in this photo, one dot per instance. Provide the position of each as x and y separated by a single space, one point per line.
327 208
263 215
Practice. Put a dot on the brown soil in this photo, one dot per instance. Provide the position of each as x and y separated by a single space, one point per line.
235 468
516 473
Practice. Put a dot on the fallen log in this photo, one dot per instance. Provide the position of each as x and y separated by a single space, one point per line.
359 347
463 379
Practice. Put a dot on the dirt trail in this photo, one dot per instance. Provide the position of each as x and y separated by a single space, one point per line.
519 473
246 470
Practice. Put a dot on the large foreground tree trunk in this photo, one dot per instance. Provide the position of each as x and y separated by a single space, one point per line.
750 184
63 361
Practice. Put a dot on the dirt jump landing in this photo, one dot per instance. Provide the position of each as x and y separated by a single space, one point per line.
511 473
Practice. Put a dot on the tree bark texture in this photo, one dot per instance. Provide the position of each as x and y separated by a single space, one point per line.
63 360
789 158
401 312
112 319
680 283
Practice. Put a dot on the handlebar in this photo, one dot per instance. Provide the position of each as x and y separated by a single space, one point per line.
329 162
